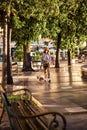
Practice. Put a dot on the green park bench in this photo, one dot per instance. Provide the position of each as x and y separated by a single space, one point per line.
25 114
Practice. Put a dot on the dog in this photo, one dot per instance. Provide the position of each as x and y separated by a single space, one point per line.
41 78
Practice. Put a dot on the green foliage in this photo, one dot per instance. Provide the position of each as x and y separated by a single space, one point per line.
37 56
19 54
30 18
17 23
18 97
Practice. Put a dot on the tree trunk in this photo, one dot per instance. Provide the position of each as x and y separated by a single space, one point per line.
69 57
24 56
27 59
4 63
9 65
57 64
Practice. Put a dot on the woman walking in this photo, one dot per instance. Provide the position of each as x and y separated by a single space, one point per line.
45 60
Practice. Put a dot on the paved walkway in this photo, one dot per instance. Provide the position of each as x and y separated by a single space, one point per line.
66 93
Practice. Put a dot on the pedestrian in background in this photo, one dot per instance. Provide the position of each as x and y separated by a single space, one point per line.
45 61
53 59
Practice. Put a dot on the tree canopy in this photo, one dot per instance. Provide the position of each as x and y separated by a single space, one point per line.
30 18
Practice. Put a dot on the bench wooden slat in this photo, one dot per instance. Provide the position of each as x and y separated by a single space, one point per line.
19 124
33 110
23 123
26 110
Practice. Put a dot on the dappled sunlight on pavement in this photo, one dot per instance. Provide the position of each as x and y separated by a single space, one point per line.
66 93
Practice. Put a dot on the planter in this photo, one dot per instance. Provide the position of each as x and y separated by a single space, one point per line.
73 61
20 64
